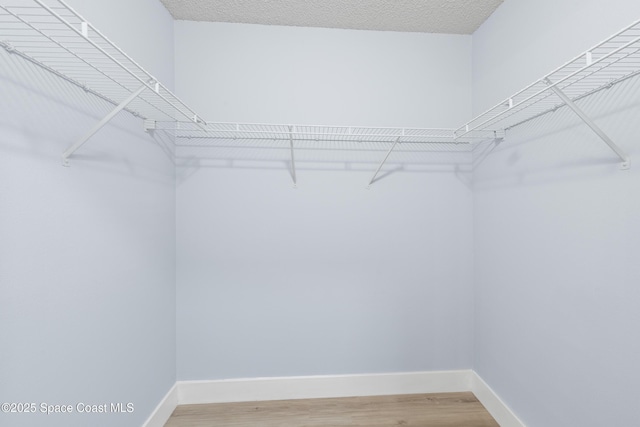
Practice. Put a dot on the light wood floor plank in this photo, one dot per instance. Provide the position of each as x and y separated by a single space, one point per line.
417 410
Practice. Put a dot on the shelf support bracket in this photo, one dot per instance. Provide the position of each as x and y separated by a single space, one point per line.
373 178
589 122
293 159
100 125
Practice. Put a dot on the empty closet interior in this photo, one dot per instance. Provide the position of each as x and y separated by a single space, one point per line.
185 202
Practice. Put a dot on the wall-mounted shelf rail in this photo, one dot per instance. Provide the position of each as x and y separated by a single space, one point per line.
612 61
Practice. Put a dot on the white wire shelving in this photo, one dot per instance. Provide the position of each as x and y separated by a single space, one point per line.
612 61
55 37
195 134
51 35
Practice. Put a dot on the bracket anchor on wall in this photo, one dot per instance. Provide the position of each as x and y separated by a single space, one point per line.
589 122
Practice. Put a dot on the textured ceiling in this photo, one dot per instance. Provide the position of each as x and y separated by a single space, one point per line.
426 16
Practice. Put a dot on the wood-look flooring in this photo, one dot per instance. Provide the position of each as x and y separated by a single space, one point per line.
417 410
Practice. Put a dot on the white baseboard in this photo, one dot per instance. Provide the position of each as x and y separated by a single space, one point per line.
313 387
260 389
492 402
165 408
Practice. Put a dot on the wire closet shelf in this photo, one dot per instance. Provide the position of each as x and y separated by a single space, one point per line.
612 61
190 134
51 35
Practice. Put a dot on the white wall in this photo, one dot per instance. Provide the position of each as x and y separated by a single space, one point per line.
556 230
87 253
328 278
270 74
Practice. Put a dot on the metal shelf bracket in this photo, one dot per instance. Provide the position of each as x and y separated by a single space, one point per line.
589 122
373 178
100 125
293 160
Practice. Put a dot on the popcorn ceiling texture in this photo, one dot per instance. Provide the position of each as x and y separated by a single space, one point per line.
425 16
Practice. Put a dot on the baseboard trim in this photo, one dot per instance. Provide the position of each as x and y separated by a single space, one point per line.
314 387
165 408
262 389
492 402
